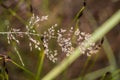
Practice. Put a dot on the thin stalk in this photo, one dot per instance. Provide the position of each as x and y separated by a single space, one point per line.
85 66
76 19
110 54
18 17
23 68
21 60
99 33
26 33
40 65
96 74
79 13
93 63
76 27
14 14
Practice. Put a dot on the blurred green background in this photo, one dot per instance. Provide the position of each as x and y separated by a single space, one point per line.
16 14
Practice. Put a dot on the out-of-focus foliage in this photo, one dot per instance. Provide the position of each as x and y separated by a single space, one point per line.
16 14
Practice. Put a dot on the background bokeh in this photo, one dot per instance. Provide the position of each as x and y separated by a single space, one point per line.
16 13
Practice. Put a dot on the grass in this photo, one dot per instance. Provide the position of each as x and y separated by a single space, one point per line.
98 34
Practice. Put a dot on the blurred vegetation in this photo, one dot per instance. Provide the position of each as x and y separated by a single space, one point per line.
104 65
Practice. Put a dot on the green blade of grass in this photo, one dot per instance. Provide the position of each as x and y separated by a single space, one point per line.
110 55
96 74
40 65
23 68
98 34
20 58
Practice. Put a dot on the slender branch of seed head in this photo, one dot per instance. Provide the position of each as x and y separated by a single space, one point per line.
20 33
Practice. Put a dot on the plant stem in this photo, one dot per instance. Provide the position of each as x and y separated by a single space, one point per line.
40 65
21 67
35 34
96 74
